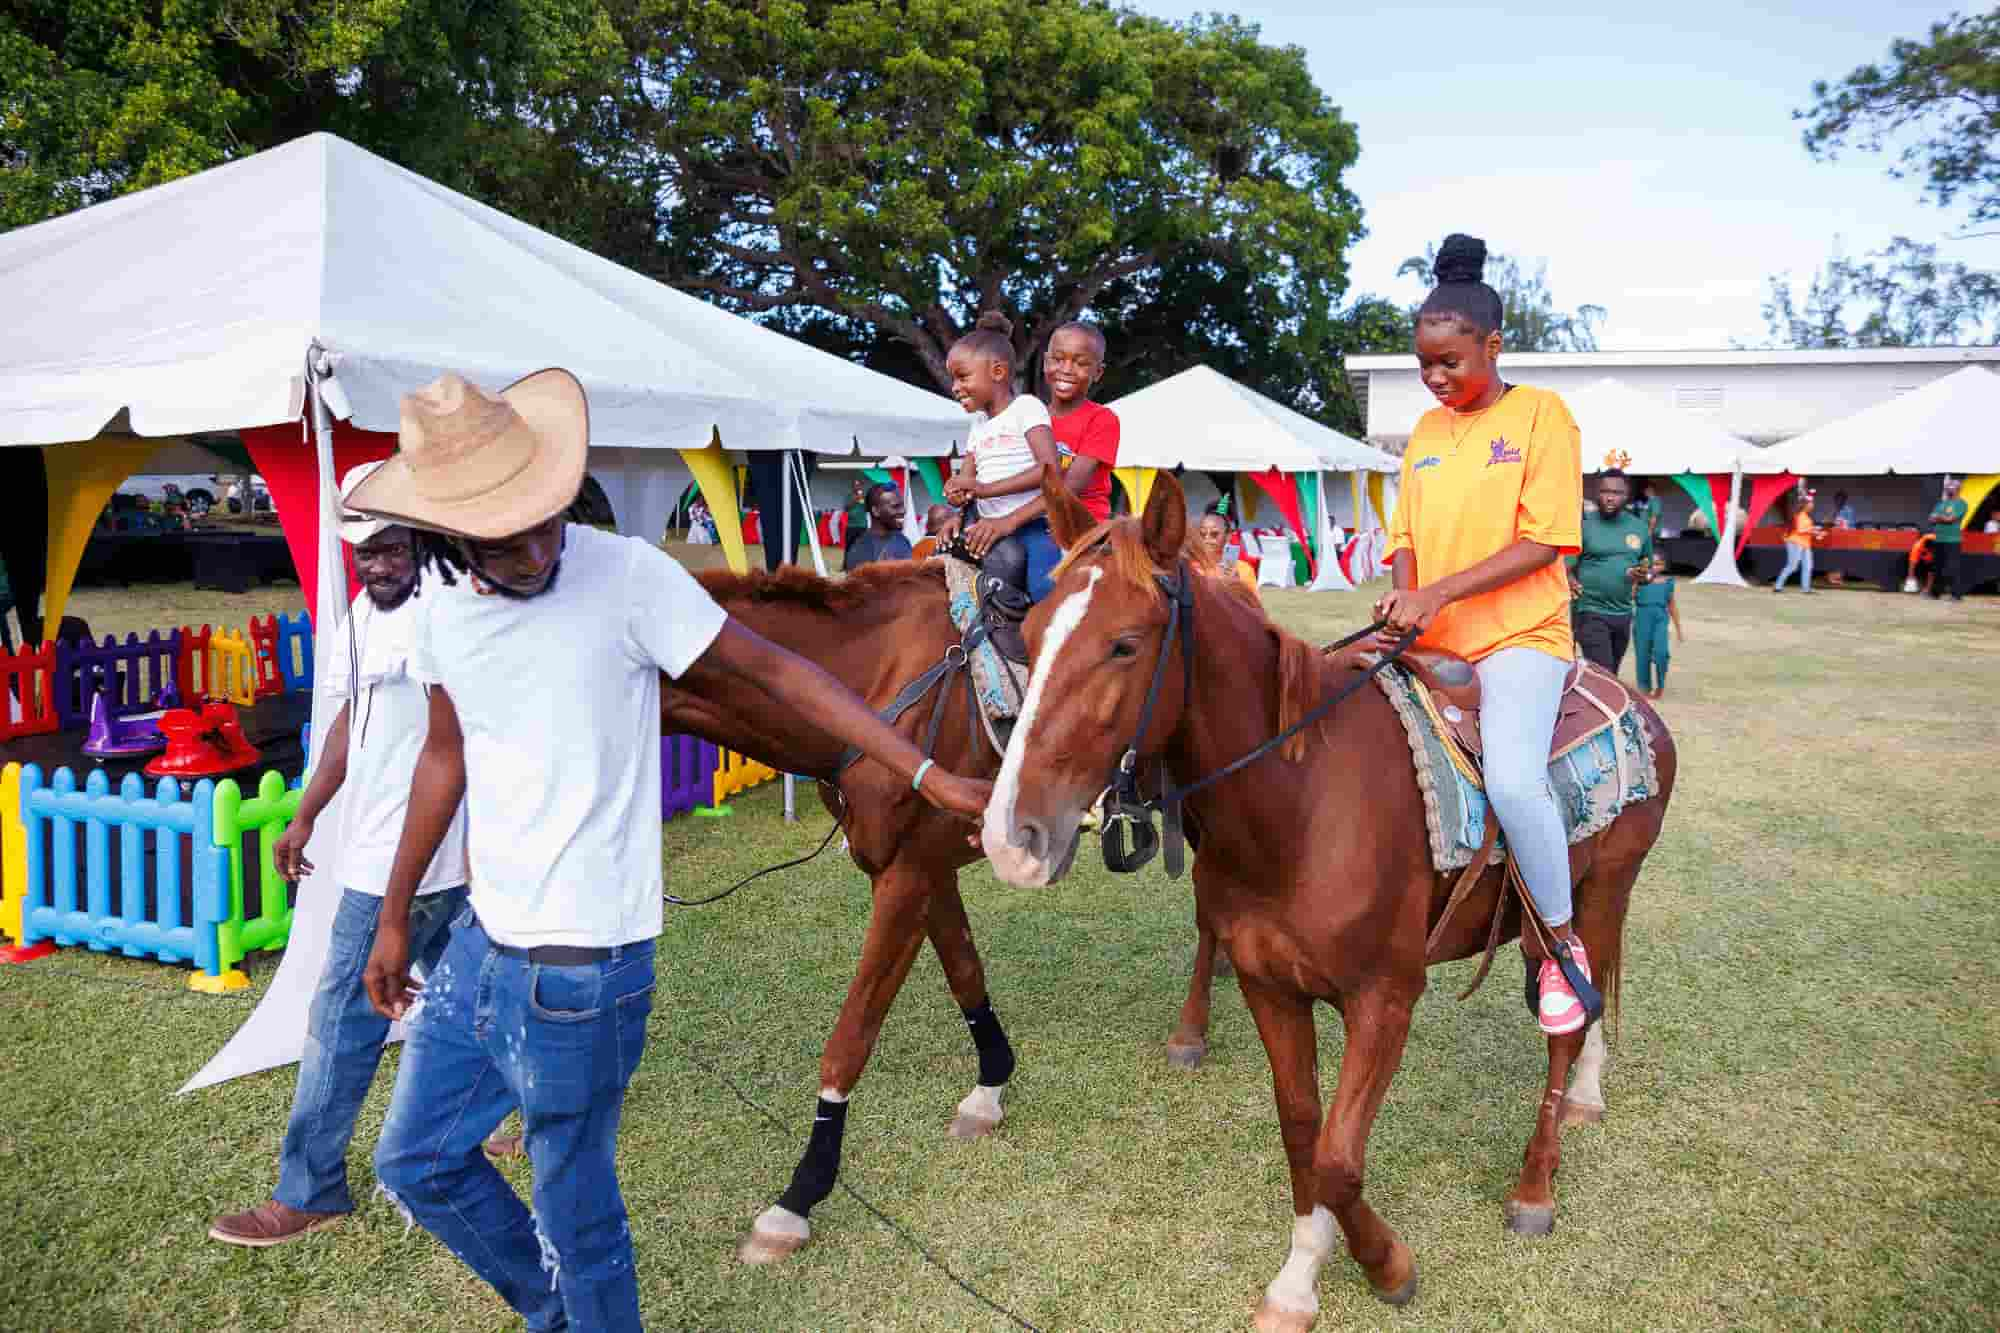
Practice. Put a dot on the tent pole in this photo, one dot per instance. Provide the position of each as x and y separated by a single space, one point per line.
787 552
1722 567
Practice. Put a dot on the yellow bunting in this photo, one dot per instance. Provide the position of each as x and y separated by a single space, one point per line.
1247 496
1377 491
1138 484
714 475
1359 498
1974 489
82 480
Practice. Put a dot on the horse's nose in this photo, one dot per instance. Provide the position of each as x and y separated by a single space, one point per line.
1031 837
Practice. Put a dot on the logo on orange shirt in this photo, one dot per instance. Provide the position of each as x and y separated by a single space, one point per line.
1502 452
1428 460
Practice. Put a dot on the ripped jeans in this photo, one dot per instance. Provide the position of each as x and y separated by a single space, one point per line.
495 1030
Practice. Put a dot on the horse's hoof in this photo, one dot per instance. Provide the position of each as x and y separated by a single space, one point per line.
778 1233
1581 1113
1185 1054
1526 1219
965 1126
1401 1296
1272 1319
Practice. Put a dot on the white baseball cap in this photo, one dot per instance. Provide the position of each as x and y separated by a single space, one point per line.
358 528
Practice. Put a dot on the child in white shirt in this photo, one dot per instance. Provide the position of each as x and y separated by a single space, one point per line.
1008 446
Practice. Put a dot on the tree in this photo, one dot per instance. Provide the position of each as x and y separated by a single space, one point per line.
1946 90
1530 320
904 165
1902 296
101 97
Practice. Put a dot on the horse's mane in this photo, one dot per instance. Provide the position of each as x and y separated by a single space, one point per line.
1131 564
790 584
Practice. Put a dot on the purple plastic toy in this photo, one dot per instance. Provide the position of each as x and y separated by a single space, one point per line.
117 737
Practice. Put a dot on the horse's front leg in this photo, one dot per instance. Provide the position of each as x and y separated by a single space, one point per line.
1189 1045
1285 1022
951 935
895 933
1378 1026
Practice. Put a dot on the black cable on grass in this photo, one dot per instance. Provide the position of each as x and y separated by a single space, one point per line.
902 1233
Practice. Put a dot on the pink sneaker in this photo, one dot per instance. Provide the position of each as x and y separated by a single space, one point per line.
1561 1011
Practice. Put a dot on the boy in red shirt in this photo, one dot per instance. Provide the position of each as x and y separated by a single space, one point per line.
1086 432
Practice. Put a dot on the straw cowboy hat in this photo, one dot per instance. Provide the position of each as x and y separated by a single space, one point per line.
482 465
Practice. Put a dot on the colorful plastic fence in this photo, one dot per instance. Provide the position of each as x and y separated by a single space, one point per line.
687 775
295 652
68 898
157 875
734 773
264 653
192 676
28 693
266 815
132 674
232 667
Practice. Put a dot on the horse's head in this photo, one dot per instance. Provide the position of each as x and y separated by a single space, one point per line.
1096 643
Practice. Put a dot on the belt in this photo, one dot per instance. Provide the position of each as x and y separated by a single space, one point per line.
558 955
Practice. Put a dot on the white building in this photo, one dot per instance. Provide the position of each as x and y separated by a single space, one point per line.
1763 397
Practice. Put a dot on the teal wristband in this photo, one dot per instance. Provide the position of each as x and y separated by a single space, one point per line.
917 782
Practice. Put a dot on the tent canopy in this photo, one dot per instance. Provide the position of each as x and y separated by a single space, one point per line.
1204 420
1945 426
190 307
1616 419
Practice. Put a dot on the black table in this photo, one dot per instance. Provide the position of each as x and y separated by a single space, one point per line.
1686 554
230 561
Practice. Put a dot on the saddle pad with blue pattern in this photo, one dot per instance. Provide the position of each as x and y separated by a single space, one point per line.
1586 779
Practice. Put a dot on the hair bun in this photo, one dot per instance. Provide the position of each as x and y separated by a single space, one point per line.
999 323
1460 259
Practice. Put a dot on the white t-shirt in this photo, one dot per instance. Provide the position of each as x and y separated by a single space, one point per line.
388 717
559 700
999 449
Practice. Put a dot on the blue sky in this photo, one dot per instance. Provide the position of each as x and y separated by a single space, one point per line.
1650 157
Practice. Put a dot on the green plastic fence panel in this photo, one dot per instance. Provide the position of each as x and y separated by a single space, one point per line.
267 814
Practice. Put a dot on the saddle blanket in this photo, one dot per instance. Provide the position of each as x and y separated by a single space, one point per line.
1593 780
997 682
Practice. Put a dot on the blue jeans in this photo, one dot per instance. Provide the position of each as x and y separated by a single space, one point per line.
344 1038
1522 690
495 1031
1795 557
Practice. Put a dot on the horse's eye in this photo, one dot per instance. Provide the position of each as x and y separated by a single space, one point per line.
1124 648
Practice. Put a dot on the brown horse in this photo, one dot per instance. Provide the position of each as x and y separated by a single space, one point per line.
876 631
1314 865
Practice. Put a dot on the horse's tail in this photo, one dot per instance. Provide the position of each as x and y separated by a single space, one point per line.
1298 689
1612 983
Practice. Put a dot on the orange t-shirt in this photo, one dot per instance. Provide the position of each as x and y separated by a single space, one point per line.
1473 486
1802 529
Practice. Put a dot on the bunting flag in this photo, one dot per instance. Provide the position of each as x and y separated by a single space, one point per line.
1764 492
1974 490
1283 489
291 470
933 475
1138 484
81 480
716 478
1701 490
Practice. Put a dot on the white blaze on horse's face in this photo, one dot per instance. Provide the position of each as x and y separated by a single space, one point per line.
1029 856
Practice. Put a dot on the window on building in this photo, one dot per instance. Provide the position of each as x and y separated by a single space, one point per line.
1702 399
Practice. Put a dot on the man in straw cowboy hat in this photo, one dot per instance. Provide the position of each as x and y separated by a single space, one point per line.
370 752
544 713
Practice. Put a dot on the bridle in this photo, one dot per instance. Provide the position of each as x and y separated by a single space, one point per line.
1125 811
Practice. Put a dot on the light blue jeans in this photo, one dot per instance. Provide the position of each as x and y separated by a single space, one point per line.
344 1039
1796 556
560 1041
1520 690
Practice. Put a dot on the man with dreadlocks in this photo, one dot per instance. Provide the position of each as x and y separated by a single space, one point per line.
543 648
1490 502
369 752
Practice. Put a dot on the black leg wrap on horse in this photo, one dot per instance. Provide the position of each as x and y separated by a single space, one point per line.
996 1053
812 1179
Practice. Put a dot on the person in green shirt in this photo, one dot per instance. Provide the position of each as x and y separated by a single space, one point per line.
1601 578
1947 521
1654 606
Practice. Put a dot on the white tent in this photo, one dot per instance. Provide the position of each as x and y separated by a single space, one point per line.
191 307
1945 426
1204 420
1624 428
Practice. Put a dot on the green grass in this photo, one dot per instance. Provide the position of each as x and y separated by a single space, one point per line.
1804 1124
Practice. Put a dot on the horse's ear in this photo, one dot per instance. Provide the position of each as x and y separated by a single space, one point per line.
1069 520
1165 524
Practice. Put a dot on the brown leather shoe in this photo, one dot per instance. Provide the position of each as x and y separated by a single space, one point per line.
270 1223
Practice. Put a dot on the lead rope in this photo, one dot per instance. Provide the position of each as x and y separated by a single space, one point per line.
839 822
